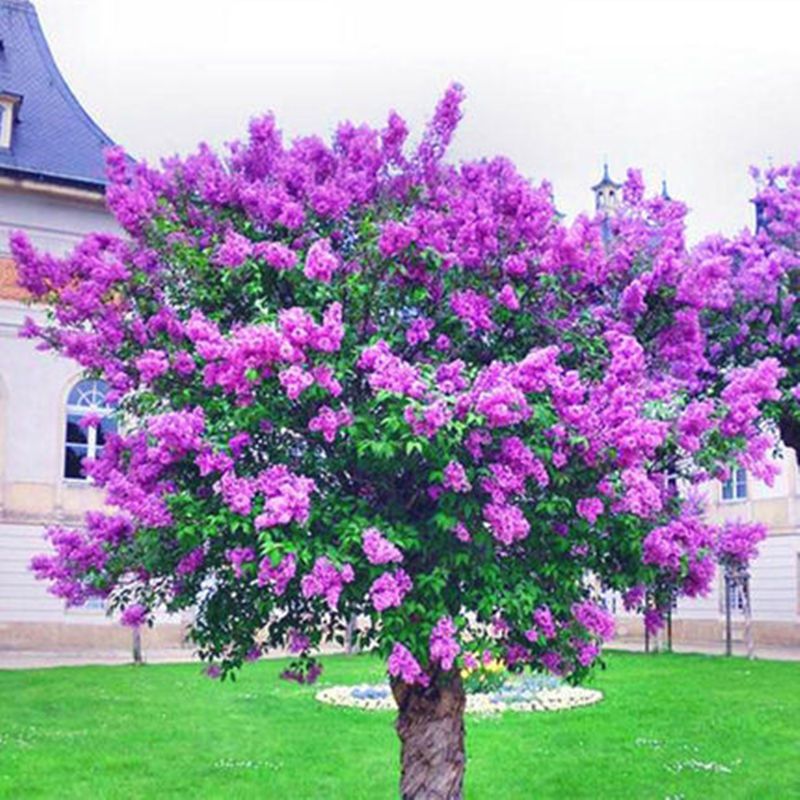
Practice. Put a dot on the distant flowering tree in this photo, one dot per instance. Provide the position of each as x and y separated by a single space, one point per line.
355 380
736 546
751 284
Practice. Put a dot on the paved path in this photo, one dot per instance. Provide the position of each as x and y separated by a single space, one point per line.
764 652
35 659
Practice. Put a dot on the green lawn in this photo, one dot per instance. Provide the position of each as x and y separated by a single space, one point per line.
671 726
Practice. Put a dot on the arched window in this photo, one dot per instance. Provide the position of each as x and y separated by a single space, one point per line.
87 402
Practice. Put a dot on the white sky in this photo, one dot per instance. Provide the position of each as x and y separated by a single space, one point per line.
691 90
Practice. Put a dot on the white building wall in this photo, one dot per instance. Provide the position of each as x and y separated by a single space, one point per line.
33 493
775 573
34 387
774 579
22 598
54 221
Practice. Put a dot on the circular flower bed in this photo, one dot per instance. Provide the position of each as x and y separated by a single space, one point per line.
526 694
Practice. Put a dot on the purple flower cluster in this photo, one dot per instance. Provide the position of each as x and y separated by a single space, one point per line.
278 256
278 577
327 422
443 646
544 623
737 543
683 550
306 676
152 364
390 373
596 620
327 581
404 666
389 589
191 562
134 616
298 642
507 522
321 262
239 362
473 309
378 549
238 557
81 555
234 250
455 478
590 508
287 496
586 652
396 237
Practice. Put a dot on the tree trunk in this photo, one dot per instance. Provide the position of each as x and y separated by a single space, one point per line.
348 635
790 433
728 622
748 618
137 645
430 724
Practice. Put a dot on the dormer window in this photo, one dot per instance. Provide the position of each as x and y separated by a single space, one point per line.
9 106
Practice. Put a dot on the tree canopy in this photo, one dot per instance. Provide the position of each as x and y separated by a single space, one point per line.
355 380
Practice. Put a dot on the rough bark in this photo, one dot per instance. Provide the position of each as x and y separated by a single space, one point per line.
348 635
430 724
748 619
137 646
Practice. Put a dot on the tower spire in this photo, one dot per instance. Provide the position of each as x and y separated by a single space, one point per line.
606 192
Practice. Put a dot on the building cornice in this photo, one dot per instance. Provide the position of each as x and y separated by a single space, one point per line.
59 190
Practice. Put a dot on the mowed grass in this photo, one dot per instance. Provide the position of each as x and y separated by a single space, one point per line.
670 726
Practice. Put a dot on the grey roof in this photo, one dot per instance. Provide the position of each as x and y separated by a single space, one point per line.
54 139
606 181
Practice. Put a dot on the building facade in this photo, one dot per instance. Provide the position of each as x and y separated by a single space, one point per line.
52 188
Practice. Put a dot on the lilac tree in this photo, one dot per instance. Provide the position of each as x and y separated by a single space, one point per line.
355 380
736 547
751 284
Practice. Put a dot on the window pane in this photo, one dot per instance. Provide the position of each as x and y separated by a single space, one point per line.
75 434
74 454
727 490
741 483
107 425
86 397
88 394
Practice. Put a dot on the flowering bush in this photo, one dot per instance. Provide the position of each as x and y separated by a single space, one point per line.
357 380
750 286
483 674
737 544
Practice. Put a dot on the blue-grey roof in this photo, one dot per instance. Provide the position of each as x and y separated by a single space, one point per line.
54 139
606 180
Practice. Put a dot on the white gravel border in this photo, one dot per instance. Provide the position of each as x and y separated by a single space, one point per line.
559 699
